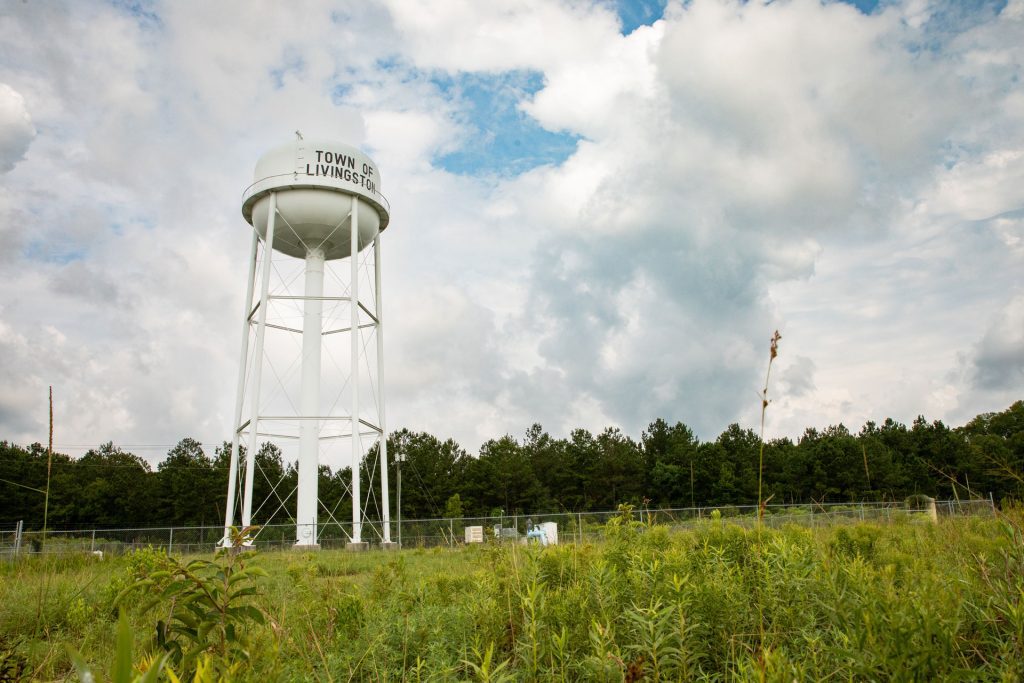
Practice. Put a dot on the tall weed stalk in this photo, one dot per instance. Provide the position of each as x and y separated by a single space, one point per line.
762 566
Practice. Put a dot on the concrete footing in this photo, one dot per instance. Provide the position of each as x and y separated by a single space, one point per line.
390 545
307 546
357 547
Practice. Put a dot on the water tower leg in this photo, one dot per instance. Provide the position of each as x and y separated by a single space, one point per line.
257 371
229 513
357 449
381 417
309 404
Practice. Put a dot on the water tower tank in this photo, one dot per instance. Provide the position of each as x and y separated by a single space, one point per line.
315 181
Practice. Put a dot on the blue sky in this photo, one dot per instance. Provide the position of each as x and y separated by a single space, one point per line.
502 139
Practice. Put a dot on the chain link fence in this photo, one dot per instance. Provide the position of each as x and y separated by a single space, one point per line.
10 540
572 527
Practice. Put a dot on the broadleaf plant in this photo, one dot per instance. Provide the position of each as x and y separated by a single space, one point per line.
206 605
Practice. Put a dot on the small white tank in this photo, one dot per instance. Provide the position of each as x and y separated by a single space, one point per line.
315 181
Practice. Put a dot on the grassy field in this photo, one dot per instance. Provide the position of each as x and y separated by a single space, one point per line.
906 601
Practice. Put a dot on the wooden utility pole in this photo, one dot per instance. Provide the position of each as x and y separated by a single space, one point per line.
867 473
49 465
399 459
691 484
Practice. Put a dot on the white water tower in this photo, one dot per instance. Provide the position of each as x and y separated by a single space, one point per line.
320 202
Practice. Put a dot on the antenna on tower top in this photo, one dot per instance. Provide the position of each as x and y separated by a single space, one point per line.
298 135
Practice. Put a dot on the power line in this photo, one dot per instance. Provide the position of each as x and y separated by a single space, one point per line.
75 465
79 463
14 483
139 446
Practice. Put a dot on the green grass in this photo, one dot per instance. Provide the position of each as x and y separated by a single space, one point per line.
907 601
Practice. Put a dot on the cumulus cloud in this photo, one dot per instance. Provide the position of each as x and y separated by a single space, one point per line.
502 35
736 139
796 378
998 358
16 129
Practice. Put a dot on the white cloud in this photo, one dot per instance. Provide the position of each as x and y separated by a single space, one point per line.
463 35
796 377
16 129
998 358
980 188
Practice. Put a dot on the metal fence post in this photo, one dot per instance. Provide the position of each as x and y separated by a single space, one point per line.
170 540
992 502
92 543
17 537
451 533
579 525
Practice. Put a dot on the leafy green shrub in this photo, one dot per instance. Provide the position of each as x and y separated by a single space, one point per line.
79 613
138 566
855 541
444 588
301 572
624 525
733 542
657 636
209 606
389 577
348 614
555 565
655 540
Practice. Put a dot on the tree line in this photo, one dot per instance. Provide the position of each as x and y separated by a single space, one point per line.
668 466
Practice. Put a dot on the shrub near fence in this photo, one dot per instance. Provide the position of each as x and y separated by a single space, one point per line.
573 527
